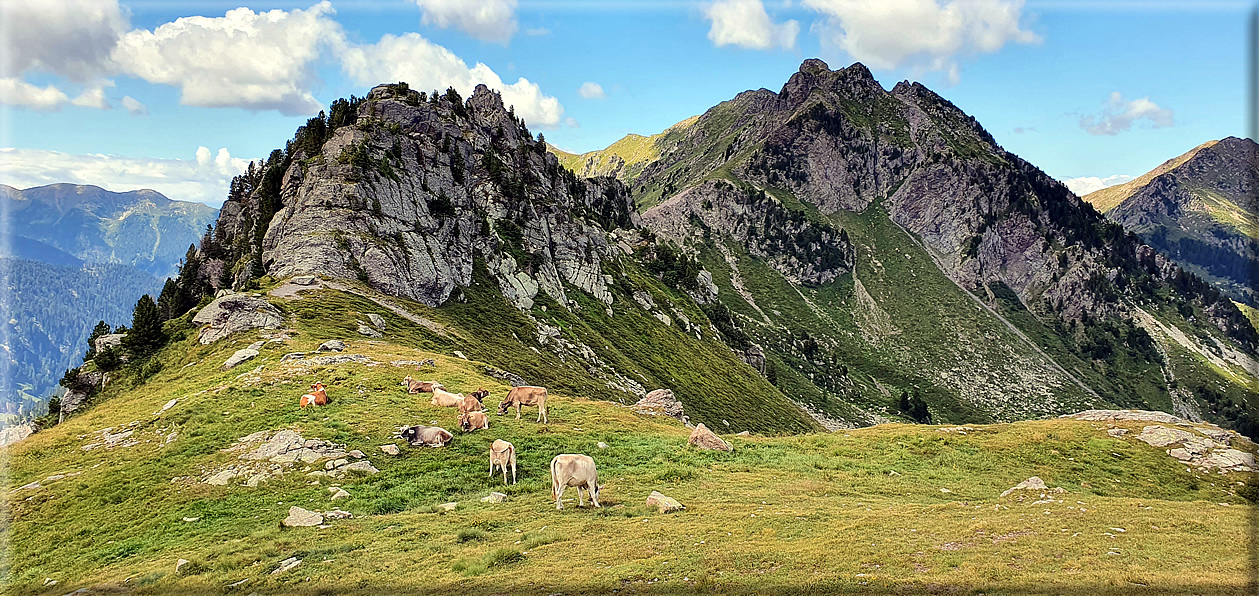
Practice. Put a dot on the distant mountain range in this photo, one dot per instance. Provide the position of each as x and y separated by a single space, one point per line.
1200 209
75 255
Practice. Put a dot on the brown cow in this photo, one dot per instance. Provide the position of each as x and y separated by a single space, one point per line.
470 403
525 396
317 397
413 386
574 470
445 399
470 421
503 454
480 394
426 436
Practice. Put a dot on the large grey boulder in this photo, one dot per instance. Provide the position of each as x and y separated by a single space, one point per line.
1161 436
299 517
660 403
110 340
706 439
239 357
233 313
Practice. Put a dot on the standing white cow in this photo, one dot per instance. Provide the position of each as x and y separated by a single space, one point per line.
574 470
503 454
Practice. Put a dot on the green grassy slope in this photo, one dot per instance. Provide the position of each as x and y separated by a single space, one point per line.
769 517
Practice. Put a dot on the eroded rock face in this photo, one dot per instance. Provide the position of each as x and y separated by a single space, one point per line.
233 313
460 181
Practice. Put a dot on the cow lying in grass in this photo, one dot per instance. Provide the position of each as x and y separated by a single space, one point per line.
470 403
426 436
470 421
413 386
445 399
317 397
525 396
503 454
574 470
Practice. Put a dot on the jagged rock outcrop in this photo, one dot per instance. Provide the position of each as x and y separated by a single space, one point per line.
235 312
414 190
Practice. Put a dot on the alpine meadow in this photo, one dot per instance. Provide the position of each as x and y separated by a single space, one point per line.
829 337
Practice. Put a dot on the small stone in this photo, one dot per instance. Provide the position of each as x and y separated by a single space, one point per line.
459 354
362 467
390 449
335 463
356 454
337 514
1117 432
945 490
1180 454
378 321
1032 483
340 494
191 519
662 503
222 478
494 498
602 445
332 345
287 565
48 581
304 280
446 507
180 564
363 329
239 357
299 517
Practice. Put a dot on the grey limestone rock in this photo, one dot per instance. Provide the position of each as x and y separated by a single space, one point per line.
233 313
239 357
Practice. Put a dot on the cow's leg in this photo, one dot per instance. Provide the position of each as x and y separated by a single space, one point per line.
580 502
591 492
517 410
559 496
491 467
513 470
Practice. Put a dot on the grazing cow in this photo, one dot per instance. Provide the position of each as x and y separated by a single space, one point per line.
470 421
470 403
317 397
413 386
525 396
503 454
426 436
445 399
574 470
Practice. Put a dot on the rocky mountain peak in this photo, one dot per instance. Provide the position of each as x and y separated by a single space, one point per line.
854 82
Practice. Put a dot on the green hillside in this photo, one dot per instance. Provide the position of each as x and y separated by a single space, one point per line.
911 507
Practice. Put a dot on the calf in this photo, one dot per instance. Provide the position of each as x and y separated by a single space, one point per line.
574 470
317 397
413 386
470 421
470 403
525 396
445 399
426 436
503 454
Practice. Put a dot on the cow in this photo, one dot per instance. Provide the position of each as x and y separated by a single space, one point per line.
574 470
317 397
426 436
470 403
413 386
445 399
470 421
503 454
480 394
525 396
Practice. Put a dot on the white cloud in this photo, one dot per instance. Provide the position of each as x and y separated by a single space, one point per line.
924 34
571 122
19 93
256 61
488 20
590 90
537 31
205 179
93 97
1087 184
745 23
426 65
1119 115
71 38
134 107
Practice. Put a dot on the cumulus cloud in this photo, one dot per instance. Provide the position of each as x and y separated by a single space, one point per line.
1087 184
590 90
426 65
926 34
134 107
256 61
205 178
19 93
1119 115
488 20
71 38
745 23
93 97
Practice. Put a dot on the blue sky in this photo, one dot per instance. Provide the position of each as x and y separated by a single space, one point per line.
137 94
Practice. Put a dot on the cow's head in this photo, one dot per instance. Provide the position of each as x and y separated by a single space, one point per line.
317 386
407 381
465 422
411 434
480 394
503 407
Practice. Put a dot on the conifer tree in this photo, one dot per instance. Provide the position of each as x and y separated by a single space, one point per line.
146 334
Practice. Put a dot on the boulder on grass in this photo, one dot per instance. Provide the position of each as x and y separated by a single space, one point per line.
662 503
299 518
706 439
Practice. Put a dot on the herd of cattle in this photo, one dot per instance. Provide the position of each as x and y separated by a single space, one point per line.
566 469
